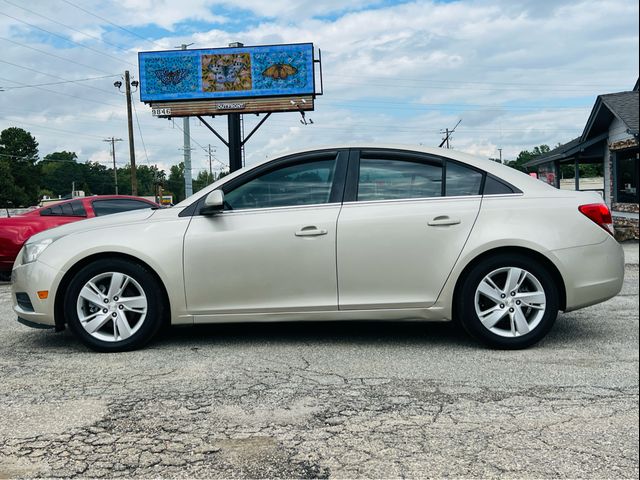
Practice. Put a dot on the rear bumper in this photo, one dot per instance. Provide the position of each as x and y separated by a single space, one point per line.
592 274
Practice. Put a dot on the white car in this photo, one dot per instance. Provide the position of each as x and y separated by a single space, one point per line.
344 233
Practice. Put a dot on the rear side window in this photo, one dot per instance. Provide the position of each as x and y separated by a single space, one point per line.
117 205
68 209
462 180
393 179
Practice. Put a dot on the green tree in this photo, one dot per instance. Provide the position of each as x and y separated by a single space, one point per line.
202 180
8 190
99 179
175 182
59 171
19 150
525 156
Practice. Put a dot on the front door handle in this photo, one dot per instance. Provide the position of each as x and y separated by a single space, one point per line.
311 231
443 221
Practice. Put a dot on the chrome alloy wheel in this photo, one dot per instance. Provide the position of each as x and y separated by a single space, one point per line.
510 302
111 306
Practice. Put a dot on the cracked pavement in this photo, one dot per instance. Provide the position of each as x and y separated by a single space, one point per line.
320 400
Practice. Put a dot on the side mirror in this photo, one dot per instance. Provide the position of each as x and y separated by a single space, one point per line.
213 203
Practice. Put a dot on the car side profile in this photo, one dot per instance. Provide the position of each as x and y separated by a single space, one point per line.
342 233
16 230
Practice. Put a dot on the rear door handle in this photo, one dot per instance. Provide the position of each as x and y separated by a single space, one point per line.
311 231
443 221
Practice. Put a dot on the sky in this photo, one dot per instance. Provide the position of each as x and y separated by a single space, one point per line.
516 73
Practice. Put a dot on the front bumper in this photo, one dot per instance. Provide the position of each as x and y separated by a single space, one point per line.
593 273
28 280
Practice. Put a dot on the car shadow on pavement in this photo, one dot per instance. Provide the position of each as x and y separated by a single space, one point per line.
321 333
568 331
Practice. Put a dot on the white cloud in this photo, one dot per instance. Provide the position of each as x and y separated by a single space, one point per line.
392 73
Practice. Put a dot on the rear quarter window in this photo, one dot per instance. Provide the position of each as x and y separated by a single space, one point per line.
493 186
68 209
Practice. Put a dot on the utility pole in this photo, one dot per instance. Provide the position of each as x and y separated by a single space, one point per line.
500 150
113 141
448 134
132 153
188 183
210 168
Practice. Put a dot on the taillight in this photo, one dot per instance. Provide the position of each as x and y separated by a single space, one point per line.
600 214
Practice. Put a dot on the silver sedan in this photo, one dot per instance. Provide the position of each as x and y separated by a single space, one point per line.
344 233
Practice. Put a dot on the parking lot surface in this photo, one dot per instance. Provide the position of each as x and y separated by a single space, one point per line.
326 400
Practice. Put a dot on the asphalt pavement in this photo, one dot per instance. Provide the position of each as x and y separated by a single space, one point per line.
320 400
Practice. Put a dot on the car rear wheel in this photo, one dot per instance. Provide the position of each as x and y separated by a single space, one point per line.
508 301
114 305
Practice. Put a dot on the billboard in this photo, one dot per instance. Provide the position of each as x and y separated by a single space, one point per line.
227 73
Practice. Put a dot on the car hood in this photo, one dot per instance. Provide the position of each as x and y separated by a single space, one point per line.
124 218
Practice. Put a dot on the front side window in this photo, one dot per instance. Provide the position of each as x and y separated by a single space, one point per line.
306 183
386 179
107 207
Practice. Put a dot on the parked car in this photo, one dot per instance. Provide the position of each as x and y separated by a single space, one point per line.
368 233
16 230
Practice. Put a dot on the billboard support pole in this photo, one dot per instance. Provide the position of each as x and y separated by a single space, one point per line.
204 122
235 142
256 128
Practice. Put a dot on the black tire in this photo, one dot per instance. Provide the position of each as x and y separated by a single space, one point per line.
465 302
151 322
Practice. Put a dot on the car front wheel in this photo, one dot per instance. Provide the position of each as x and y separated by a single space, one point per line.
508 301
114 305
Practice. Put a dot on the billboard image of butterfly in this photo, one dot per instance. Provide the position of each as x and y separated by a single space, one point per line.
225 72
280 71
171 77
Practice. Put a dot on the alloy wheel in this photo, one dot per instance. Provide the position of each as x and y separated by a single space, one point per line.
112 306
510 302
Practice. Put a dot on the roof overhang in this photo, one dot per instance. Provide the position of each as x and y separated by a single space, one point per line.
570 153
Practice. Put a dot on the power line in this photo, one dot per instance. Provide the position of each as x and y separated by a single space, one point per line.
64 94
422 81
60 83
55 56
203 149
67 39
31 125
40 72
427 106
112 23
68 26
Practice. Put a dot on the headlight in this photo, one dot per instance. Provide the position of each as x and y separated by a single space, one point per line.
33 250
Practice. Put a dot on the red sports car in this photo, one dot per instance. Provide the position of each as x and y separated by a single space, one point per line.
14 231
